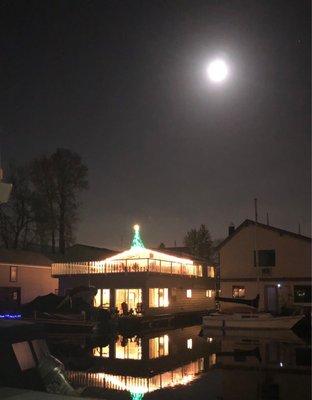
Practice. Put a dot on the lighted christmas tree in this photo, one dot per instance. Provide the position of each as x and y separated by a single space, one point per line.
136 396
137 241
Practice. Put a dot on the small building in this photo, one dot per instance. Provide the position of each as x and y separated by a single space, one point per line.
142 281
24 275
279 269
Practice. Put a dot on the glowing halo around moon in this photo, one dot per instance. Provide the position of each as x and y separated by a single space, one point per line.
217 71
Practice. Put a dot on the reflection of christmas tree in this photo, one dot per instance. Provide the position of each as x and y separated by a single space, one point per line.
137 241
136 396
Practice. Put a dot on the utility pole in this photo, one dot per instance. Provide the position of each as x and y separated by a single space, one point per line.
256 255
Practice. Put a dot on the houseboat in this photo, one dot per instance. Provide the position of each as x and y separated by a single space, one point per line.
143 282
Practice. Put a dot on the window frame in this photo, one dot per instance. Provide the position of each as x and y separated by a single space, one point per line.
165 297
238 287
16 273
208 292
296 301
261 254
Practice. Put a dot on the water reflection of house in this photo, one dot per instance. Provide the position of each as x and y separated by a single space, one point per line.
148 363
268 367
284 261
143 281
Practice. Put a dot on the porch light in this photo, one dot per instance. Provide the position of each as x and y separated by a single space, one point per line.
279 285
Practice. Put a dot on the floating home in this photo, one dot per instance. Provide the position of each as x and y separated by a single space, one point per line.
141 281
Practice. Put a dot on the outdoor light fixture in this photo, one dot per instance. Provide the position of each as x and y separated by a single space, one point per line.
279 285
217 71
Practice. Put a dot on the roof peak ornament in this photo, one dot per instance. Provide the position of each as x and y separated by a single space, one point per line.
137 241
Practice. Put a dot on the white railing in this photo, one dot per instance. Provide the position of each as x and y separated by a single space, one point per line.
125 266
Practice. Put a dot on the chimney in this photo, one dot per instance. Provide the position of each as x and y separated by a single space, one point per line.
231 228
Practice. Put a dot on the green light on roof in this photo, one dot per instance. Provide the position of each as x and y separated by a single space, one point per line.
137 241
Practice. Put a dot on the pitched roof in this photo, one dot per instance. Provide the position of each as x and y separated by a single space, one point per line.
23 257
82 252
249 222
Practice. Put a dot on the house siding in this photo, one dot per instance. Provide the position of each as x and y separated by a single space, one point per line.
292 264
33 281
143 280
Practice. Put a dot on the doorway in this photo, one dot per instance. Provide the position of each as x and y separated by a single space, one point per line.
271 299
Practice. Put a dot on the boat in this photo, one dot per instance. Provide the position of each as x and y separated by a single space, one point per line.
250 321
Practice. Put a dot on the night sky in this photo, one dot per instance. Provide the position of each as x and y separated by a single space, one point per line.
124 84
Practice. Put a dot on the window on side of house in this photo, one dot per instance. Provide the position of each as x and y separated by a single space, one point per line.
209 293
210 272
266 258
158 297
102 298
302 293
238 292
189 293
13 274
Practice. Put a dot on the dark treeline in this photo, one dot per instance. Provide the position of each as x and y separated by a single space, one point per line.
43 207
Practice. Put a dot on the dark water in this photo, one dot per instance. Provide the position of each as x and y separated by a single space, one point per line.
188 364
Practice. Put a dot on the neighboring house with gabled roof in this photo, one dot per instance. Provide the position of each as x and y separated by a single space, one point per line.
284 265
24 275
83 252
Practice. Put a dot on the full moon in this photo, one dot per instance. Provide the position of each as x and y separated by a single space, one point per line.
217 71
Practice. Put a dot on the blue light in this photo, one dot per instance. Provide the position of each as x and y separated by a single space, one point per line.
10 316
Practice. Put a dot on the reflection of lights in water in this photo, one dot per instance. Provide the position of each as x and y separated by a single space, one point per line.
139 386
212 359
136 396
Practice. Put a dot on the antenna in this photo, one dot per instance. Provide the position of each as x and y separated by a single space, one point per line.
256 210
299 228
267 216
256 255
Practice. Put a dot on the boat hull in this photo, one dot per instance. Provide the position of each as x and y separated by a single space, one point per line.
250 322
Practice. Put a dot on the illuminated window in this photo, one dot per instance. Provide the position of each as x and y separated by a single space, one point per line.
302 293
189 343
210 272
212 359
209 293
189 293
101 352
102 298
129 301
13 274
158 297
238 292
126 348
158 346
